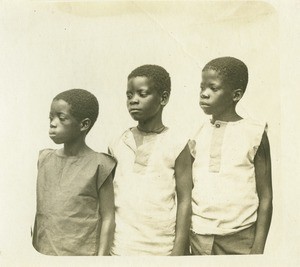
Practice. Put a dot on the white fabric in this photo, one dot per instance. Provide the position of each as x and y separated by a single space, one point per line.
144 187
224 197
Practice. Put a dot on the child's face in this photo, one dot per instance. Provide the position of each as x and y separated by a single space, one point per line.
143 101
216 96
64 128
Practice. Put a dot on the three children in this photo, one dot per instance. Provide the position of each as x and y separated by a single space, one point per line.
228 211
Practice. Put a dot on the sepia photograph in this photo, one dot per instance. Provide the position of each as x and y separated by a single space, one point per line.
149 128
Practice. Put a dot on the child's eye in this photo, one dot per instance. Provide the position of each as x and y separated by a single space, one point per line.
62 118
142 94
214 89
129 96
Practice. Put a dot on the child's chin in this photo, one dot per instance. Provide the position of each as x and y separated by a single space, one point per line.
134 117
207 112
56 141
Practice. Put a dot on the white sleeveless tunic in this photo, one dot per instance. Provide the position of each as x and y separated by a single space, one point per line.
144 187
224 197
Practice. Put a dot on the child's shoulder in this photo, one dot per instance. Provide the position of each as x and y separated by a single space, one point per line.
105 159
174 140
106 164
44 153
44 156
117 138
197 127
254 122
255 125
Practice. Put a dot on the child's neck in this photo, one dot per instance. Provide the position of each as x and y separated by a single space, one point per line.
154 125
226 116
76 148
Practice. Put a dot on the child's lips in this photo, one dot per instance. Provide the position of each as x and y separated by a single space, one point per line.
52 133
134 110
202 104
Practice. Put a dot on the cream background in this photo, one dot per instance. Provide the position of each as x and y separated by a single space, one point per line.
48 47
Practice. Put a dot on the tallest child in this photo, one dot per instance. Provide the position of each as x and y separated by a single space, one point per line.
232 194
154 168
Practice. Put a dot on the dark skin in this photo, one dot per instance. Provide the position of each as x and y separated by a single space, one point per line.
183 176
218 99
70 131
106 199
145 105
262 164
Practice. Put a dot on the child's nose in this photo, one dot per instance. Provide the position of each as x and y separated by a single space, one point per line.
204 93
134 99
53 123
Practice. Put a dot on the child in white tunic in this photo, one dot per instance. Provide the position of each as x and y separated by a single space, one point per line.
153 173
232 194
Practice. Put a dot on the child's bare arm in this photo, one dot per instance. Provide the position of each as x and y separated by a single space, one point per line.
107 212
183 175
262 163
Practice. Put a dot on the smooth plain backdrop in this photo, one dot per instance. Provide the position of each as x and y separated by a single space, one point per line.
49 47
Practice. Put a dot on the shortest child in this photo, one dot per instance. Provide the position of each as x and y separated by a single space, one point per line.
232 194
75 201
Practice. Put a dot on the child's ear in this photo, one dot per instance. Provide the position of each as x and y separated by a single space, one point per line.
165 98
85 124
237 95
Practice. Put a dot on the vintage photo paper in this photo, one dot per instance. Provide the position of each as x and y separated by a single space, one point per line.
51 46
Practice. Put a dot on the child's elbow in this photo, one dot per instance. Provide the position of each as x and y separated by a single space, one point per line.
266 203
109 220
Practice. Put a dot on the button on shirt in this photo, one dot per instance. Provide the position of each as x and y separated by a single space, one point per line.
224 198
